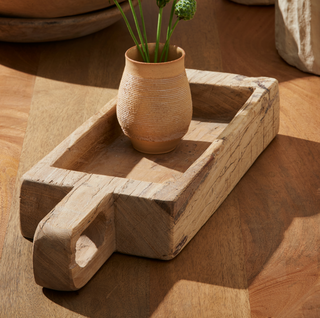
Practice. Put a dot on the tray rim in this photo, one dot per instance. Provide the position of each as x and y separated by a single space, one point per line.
167 194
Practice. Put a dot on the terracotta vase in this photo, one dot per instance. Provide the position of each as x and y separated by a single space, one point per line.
154 107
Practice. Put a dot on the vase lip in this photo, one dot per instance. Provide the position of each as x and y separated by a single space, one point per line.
158 63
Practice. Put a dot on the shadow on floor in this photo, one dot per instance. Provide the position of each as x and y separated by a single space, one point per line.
229 251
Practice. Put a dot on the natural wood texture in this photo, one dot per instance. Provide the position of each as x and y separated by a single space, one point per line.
257 256
77 237
216 155
13 29
15 98
280 218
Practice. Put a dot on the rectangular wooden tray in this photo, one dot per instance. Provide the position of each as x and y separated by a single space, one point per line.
94 194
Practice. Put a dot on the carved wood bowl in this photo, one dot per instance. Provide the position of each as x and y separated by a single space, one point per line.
47 9
17 29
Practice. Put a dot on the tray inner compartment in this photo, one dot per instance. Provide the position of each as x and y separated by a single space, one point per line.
110 152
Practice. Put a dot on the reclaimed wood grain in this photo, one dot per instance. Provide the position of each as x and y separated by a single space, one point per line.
134 271
168 213
271 267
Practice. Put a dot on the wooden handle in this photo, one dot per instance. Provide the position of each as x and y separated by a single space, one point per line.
74 240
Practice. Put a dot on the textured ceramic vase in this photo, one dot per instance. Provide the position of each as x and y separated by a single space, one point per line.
154 107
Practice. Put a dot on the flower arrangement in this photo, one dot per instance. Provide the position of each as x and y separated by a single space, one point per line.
183 9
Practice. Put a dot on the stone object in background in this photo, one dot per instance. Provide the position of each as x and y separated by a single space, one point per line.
298 33
255 2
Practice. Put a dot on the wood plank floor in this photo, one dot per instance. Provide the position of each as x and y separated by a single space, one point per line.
18 64
257 256
280 196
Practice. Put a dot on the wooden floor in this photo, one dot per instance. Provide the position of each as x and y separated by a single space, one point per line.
257 256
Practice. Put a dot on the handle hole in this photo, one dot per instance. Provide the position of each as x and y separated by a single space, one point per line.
90 240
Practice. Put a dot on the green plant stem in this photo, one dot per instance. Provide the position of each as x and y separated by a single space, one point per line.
130 30
158 34
137 27
169 27
166 45
144 32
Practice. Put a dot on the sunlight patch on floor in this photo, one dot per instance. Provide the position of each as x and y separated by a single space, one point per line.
195 299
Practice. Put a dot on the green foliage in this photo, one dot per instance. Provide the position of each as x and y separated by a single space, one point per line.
183 9
162 3
186 9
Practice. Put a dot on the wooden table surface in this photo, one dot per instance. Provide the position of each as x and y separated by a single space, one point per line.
257 256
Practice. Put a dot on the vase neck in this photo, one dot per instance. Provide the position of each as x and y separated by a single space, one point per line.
174 67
